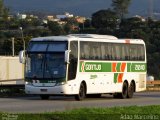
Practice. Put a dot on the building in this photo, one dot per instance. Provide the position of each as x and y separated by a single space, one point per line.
140 17
80 19
66 15
21 16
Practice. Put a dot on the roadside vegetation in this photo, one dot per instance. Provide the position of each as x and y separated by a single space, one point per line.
112 21
115 113
11 91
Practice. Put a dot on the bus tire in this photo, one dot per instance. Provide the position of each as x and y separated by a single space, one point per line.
82 93
131 90
44 97
124 93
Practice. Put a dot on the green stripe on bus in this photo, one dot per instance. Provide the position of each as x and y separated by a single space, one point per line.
118 68
137 67
107 67
95 67
115 77
128 67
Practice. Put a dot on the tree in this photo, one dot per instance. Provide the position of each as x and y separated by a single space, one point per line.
132 26
67 28
121 7
105 21
3 11
55 28
87 27
5 14
1 7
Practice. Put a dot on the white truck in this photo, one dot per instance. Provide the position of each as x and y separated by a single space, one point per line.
11 71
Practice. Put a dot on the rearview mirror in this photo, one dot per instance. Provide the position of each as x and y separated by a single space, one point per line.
22 57
67 56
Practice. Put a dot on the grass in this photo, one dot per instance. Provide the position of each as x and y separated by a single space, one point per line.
115 113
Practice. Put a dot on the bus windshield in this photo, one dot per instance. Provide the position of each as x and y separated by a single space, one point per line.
46 63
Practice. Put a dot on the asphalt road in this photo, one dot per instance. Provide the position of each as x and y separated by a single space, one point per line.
36 105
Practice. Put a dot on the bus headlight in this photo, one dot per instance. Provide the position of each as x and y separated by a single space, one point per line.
28 83
60 83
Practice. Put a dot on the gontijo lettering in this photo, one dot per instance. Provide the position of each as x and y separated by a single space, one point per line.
93 67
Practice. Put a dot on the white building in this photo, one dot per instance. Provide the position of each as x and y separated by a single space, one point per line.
66 15
21 16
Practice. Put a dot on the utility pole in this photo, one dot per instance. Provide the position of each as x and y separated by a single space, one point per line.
23 40
12 46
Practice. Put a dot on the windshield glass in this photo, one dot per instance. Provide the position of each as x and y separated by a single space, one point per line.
47 47
50 66
46 61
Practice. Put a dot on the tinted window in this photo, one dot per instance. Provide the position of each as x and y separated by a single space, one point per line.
73 60
112 51
47 46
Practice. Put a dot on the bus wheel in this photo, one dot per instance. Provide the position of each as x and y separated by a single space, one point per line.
124 93
44 97
131 90
82 93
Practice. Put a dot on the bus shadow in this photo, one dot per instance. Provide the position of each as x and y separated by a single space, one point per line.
65 98
148 94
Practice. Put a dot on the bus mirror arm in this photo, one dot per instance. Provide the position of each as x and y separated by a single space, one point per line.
67 52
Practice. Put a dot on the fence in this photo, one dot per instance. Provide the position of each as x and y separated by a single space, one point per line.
153 85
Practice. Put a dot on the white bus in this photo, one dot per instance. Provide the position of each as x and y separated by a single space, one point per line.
83 65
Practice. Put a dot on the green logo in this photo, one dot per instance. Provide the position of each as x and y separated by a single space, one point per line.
95 67
136 67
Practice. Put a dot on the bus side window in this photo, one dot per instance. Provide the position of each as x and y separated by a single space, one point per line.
133 52
82 54
141 54
110 55
123 52
114 57
103 51
127 56
72 70
118 52
84 51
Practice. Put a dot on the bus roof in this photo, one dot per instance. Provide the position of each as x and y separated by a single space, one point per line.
87 37
67 37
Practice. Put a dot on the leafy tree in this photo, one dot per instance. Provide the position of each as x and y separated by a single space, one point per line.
5 14
1 7
3 11
87 27
132 23
55 28
133 28
88 23
71 25
121 7
14 24
105 21
67 28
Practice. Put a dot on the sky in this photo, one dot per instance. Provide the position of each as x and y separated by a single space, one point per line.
77 7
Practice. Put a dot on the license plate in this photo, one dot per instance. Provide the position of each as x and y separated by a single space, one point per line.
44 90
